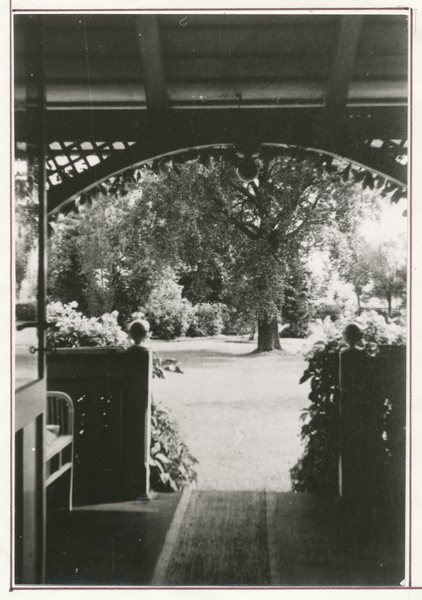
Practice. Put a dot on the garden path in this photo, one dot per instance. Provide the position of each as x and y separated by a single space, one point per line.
238 411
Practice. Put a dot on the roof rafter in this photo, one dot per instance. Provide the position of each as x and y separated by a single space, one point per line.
152 63
342 70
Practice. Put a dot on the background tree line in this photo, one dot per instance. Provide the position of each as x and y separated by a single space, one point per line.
188 242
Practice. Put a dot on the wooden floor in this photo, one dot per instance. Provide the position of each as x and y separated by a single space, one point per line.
276 539
114 544
223 538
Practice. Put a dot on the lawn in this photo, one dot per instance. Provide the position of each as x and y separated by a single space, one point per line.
238 411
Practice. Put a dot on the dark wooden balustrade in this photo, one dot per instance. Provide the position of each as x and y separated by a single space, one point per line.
111 391
373 435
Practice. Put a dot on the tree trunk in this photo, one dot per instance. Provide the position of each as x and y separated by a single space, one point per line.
268 338
389 299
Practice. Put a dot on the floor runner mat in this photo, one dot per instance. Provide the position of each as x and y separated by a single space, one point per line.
221 541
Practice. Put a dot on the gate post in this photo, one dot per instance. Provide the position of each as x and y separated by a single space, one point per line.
372 431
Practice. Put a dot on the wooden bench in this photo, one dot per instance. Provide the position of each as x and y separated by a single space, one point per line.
59 439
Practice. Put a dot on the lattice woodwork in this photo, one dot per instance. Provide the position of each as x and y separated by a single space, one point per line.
67 159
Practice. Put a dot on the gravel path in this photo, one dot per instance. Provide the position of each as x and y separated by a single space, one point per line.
239 411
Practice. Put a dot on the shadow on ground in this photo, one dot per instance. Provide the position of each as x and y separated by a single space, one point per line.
108 544
223 538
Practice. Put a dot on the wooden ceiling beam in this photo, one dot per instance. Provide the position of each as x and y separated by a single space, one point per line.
152 62
299 125
342 70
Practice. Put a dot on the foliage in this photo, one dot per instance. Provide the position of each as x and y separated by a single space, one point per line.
168 313
103 256
317 470
376 269
388 272
355 266
242 243
232 242
171 463
324 310
297 309
240 323
72 329
208 320
26 219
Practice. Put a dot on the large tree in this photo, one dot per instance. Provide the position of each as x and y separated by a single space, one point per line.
250 239
230 240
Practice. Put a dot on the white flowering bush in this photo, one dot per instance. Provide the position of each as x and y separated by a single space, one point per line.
376 329
208 319
72 329
169 314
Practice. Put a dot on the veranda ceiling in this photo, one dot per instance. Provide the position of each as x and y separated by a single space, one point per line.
334 82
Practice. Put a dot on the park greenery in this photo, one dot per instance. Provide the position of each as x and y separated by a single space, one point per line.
199 249
200 252
317 470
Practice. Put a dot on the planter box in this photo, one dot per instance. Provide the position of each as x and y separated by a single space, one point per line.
111 392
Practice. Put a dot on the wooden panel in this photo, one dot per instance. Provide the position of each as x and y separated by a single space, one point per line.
243 41
29 574
235 93
111 394
105 70
29 402
18 514
84 45
383 39
287 67
64 93
29 505
189 127
239 93
88 21
378 90
387 66
188 68
113 70
254 21
369 474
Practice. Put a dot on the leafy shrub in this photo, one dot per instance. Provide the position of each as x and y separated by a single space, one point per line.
207 320
240 323
72 329
171 463
293 330
26 311
322 311
168 313
317 470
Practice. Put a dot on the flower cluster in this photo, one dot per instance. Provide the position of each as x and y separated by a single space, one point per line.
376 330
73 329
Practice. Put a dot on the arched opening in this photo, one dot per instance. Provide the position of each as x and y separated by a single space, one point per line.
125 160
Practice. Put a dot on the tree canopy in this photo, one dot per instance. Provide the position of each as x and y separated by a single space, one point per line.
242 243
